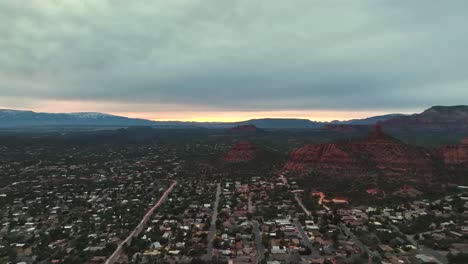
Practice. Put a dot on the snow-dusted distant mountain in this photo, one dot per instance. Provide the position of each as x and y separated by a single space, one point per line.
15 118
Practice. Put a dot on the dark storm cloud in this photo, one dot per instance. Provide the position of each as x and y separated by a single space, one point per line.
242 55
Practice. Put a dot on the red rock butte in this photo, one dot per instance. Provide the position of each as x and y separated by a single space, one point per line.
241 151
456 154
376 152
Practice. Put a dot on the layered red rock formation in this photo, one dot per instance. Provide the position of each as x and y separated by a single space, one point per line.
240 152
456 154
328 156
377 152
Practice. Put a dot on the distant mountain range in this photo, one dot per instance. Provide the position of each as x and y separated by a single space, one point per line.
369 120
436 116
439 115
15 118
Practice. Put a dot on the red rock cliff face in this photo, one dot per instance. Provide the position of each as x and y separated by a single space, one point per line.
456 154
393 157
328 156
240 152
376 152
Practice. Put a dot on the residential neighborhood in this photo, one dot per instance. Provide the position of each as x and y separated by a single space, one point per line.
152 203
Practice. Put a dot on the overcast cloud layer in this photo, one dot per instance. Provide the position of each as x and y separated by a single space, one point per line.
236 55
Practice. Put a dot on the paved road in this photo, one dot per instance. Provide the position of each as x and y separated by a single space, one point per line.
214 216
410 239
33 166
357 241
115 256
250 206
307 212
285 181
258 241
315 253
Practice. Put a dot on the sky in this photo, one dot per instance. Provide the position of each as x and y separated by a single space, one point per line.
225 60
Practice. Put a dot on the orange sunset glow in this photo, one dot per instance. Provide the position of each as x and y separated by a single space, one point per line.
166 112
235 116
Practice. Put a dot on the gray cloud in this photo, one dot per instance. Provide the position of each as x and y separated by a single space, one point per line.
237 55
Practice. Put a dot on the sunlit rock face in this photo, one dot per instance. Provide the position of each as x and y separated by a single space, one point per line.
456 154
240 152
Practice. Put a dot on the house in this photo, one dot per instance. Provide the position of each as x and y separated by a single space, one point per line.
384 248
457 248
427 259
156 245
278 250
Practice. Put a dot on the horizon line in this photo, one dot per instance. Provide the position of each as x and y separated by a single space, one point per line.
204 120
